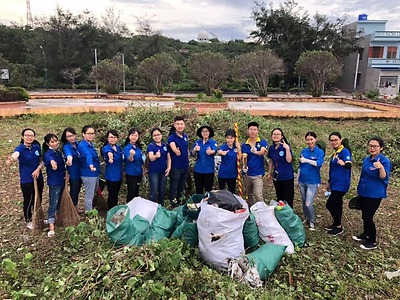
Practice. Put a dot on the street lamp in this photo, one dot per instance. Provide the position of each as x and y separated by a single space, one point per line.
45 67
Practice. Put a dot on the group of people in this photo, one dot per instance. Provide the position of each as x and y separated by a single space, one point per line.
170 159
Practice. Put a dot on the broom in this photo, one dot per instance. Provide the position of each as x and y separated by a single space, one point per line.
99 202
67 214
38 214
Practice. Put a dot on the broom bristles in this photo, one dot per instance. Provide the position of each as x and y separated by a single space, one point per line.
100 202
38 214
67 214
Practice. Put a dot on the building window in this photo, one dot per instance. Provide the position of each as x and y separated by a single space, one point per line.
388 81
375 52
391 52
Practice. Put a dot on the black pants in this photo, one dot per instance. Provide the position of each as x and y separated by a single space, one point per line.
285 190
203 181
74 189
369 206
231 182
113 188
28 192
133 184
335 206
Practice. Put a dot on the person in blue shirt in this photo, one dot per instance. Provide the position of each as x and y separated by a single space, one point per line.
339 181
309 178
29 156
372 187
230 152
280 167
204 150
253 152
178 143
55 170
70 150
159 166
133 159
90 165
112 155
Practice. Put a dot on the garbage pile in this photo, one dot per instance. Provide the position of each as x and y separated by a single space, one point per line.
221 225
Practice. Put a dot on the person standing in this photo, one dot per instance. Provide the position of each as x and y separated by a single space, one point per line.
230 151
253 151
70 149
204 150
179 145
90 165
280 167
55 170
339 182
309 178
29 156
112 155
133 158
372 187
159 166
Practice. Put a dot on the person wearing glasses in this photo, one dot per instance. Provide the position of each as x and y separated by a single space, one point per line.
112 155
339 181
29 156
159 166
372 187
90 165
280 167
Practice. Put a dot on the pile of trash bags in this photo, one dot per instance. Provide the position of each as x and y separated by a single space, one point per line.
248 243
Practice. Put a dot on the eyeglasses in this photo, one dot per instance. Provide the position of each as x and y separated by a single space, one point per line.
374 146
29 135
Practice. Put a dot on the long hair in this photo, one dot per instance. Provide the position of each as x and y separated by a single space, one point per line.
64 134
22 136
47 139
138 142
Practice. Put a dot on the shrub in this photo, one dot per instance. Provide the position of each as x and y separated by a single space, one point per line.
372 94
13 94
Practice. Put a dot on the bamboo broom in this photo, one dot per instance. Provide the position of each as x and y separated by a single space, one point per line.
38 214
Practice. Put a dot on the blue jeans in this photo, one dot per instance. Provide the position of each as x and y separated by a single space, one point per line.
178 179
157 187
308 192
54 198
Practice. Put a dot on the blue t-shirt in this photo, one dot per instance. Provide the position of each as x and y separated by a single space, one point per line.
133 168
88 156
339 176
114 170
278 156
228 166
54 177
204 162
182 143
310 174
160 164
370 184
72 150
29 160
255 163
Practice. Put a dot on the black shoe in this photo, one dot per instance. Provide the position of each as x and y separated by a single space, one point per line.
360 237
330 227
368 245
335 231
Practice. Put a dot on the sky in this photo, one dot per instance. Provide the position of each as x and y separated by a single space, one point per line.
184 19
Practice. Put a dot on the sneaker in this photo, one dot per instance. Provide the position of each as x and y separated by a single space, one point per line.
330 227
360 238
335 231
312 226
368 245
29 225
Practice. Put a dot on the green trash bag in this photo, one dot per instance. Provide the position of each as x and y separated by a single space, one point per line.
292 224
187 231
191 211
179 216
266 258
122 230
163 224
250 233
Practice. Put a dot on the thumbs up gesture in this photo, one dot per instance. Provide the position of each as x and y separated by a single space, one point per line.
158 154
197 147
377 164
209 151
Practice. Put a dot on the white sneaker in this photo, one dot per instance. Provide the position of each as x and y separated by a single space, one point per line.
312 226
29 225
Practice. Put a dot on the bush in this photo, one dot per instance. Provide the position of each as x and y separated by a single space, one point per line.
372 94
13 94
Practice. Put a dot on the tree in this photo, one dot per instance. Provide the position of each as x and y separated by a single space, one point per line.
109 74
256 68
157 70
209 69
319 68
71 74
23 75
